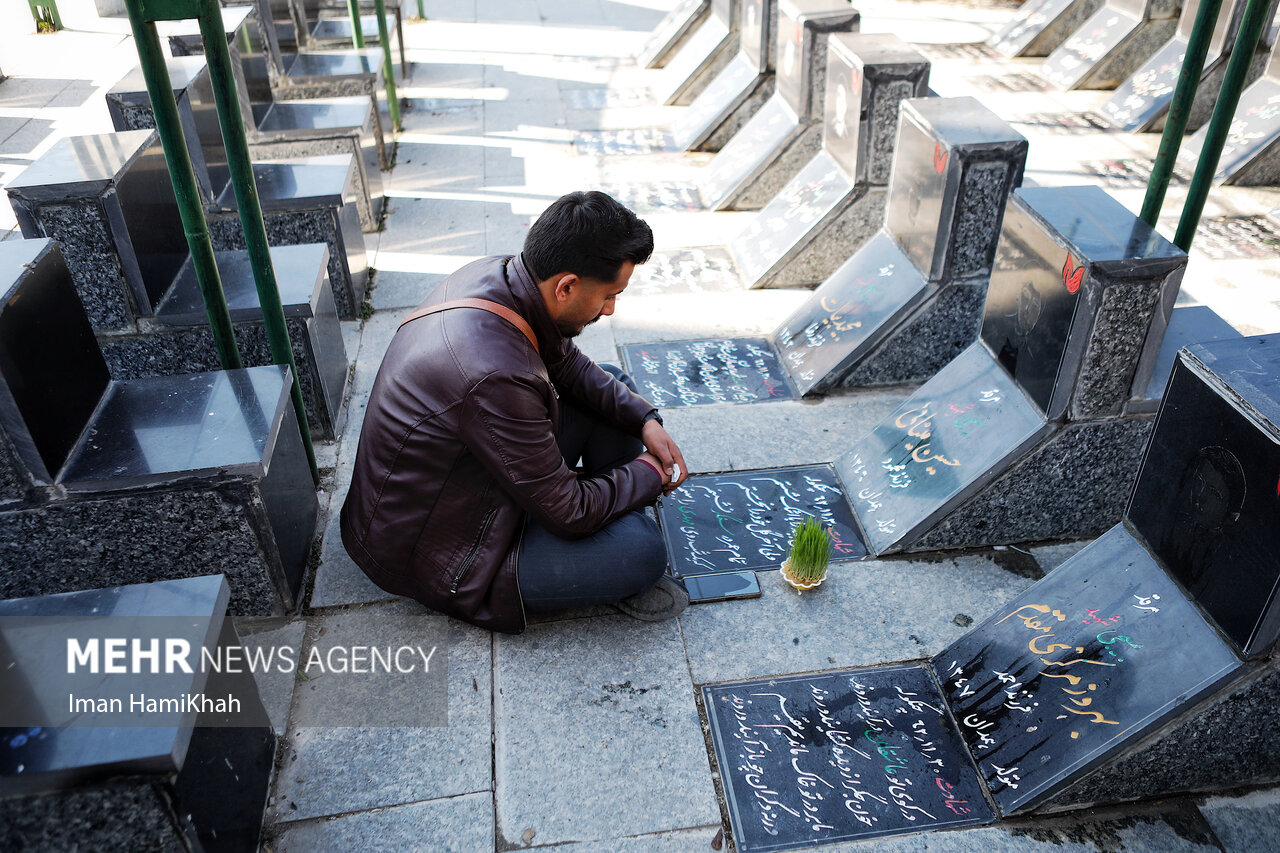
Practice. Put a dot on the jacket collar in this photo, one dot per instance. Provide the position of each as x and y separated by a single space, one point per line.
532 307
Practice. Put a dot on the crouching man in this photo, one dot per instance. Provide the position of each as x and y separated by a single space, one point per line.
500 471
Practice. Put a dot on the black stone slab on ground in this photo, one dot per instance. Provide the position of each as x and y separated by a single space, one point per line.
1189 324
1251 155
1207 496
694 373
1142 101
1080 665
146 479
743 521
1110 46
198 782
775 143
1041 26
856 754
740 89
672 31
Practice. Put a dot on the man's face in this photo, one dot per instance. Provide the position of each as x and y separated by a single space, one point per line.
589 299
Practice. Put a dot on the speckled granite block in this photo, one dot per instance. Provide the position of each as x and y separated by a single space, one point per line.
85 235
15 480
782 169
829 247
119 815
979 212
294 228
936 333
146 536
1110 359
1075 485
741 115
1227 741
165 353
883 126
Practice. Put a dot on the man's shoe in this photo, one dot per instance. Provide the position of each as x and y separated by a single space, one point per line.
667 599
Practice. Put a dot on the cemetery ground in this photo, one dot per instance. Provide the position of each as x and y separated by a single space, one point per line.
587 731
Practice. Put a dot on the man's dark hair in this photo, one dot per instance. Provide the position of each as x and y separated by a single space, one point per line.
587 234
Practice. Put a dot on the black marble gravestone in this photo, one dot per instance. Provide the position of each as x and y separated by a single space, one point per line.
950 439
142 479
778 140
702 55
1070 258
1085 662
197 779
692 373
1207 498
1112 44
1251 155
672 32
1141 101
1041 26
739 89
855 754
310 199
108 200
743 521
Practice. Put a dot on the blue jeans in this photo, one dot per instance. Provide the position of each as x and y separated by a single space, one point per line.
625 558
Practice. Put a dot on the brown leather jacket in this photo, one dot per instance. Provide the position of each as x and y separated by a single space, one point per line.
458 447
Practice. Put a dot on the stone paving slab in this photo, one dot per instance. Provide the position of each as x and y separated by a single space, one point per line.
692 316
424 166
454 825
1049 557
339 581
433 226
865 614
330 771
597 711
399 291
1247 823
661 842
276 687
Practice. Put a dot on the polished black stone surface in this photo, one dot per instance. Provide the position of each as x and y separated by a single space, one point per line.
783 224
1145 96
1207 496
153 221
756 19
867 75
1189 324
848 314
160 428
299 273
743 521
1254 129
957 432
1080 54
77 165
50 365
694 373
1078 667
672 30
855 754
729 88
1059 249
756 144
709 270
306 117
938 139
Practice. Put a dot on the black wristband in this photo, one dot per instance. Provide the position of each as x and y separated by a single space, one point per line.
653 416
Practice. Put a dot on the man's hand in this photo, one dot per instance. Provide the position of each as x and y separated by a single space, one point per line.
660 444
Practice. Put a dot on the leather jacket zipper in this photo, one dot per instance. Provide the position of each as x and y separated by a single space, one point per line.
475 549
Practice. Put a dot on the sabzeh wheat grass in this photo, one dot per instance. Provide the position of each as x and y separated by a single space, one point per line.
810 551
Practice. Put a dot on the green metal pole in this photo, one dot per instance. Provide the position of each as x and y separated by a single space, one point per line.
51 6
218 58
357 26
1175 124
185 189
388 70
1255 17
422 13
